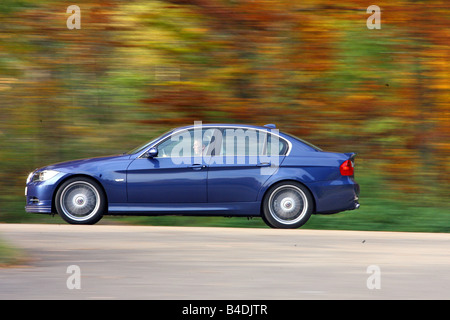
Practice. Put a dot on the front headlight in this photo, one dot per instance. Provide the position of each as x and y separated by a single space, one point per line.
41 175
30 176
47 174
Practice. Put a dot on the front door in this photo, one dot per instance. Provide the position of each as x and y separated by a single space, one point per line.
178 174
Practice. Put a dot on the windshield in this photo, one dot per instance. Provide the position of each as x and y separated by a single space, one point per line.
145 145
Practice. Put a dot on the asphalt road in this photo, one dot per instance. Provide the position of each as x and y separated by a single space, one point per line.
137 262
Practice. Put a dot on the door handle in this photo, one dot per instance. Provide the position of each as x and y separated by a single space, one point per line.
263 164
197 166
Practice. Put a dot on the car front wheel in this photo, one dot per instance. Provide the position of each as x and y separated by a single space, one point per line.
287 205
80 200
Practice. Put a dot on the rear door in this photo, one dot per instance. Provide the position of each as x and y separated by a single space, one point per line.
241 162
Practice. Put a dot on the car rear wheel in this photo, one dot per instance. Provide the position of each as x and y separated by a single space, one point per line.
80 200
287 205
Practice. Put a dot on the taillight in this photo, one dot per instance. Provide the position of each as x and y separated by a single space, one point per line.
347 168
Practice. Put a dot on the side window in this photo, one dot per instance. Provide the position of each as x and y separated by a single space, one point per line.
186 143
214 137
166 148
225 142
276 145
240 142
250 142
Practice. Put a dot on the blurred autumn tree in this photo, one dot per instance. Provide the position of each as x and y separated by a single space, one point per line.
137 68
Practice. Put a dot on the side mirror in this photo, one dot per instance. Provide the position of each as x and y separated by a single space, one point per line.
152 152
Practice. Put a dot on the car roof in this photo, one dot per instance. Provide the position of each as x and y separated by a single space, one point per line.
231 125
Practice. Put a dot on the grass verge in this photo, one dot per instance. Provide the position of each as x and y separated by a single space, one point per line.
10 255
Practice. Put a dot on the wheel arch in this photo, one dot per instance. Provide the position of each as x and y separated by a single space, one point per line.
74 176
279 182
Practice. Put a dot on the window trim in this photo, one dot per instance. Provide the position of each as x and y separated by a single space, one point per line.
175 131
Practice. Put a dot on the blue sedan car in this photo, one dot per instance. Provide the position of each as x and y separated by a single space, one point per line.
209 170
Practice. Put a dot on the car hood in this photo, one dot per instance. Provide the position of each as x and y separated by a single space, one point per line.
84 164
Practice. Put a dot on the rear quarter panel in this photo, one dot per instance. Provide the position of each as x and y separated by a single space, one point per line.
319 172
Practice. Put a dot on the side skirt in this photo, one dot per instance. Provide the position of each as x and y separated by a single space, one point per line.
244 209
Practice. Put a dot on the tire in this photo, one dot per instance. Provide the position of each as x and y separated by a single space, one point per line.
287 205
80 200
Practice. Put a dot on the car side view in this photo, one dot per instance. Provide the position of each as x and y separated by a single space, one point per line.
208 170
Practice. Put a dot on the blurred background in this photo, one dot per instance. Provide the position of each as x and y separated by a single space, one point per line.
135 69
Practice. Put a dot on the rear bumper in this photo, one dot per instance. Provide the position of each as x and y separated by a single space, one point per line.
356 202
336 196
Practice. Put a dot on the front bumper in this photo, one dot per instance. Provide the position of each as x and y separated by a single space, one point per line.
39 194
40 207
